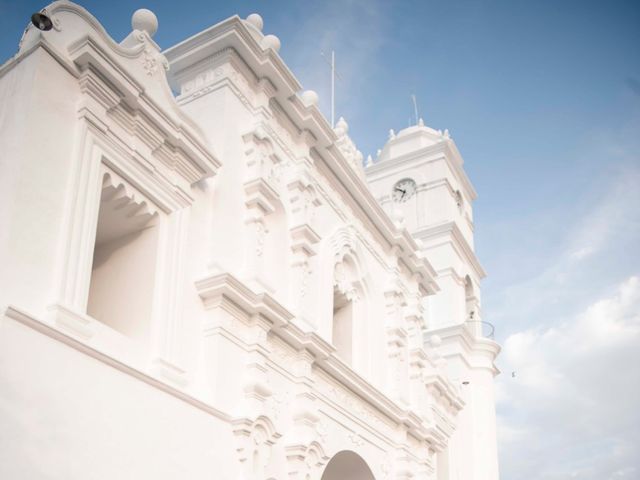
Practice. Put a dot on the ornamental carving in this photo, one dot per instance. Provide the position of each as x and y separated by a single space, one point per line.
305 461
356 439
279 403
344 282
150 62
261 235
305 275
255 441
348 149
348 277
281 353
355 406
304 199
386 467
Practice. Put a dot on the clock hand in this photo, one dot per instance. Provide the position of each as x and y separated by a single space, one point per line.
401 190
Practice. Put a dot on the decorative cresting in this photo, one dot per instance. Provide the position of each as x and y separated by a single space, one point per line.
397 337
344 143
255 440
304 201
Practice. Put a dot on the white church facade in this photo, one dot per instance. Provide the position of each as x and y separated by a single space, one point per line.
201 280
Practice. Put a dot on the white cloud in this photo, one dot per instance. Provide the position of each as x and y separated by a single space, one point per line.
617 214
572 409
599 247
581 253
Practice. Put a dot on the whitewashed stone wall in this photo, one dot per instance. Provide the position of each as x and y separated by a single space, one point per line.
172 268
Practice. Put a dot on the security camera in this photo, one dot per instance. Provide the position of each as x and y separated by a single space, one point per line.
42 21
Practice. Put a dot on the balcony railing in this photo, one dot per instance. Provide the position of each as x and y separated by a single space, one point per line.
481 328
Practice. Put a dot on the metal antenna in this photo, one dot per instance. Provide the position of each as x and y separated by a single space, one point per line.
334 75
415 107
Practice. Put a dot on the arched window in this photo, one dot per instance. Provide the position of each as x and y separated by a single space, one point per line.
344 296
347 328
124 260
470 299
342 334
348 309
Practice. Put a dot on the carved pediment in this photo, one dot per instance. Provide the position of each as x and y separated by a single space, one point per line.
125 93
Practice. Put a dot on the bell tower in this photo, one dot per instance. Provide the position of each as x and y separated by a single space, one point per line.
419 180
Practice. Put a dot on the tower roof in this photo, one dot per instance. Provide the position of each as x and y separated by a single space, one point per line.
411 139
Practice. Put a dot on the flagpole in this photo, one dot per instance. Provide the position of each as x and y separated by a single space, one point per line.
333 88
415 107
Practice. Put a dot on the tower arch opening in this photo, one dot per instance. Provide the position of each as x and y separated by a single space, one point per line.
469 299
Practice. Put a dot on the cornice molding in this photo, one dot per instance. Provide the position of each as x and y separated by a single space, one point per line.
233 33
217 288
471 346
89 55
457 239
135 75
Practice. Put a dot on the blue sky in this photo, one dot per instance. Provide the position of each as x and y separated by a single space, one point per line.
543 100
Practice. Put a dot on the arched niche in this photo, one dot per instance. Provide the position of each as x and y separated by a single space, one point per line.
276 249
348 328
348 309
347 465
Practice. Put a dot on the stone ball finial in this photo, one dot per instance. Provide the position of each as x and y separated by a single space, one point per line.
145 20
342 124
421 122
309 98
270 41
392 134
255 20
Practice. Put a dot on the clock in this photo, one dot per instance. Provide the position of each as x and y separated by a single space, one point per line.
403 190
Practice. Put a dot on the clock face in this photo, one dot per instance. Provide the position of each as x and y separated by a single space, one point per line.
403 190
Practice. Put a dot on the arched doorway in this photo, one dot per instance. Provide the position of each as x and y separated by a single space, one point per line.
347 465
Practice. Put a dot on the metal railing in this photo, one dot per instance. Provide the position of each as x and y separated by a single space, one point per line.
481 328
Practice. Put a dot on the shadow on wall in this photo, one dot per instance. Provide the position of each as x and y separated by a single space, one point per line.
347 464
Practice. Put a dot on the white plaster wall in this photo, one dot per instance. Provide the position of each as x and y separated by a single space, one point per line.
65 415
224 117
220 356
37 133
